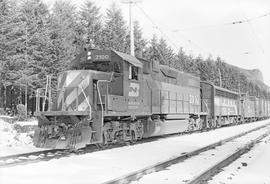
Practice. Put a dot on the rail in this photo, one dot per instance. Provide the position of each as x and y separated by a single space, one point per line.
163 165
212 171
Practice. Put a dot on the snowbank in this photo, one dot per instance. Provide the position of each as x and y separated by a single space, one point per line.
16 137
250 168
10 137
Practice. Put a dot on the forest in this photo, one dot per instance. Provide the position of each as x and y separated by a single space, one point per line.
37 40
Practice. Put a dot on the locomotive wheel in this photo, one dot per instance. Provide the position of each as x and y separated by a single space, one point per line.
104 143
199 124
209 124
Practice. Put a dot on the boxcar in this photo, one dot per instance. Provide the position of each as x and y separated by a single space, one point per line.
221 104
250 107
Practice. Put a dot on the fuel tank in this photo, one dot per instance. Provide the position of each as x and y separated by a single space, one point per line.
163 127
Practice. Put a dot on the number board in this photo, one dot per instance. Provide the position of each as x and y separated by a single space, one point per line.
101 55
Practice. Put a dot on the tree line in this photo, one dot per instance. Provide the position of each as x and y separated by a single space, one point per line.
36 41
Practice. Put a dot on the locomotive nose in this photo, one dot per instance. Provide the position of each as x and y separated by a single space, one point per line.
74 91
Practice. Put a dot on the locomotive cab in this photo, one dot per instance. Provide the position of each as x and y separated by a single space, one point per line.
122 91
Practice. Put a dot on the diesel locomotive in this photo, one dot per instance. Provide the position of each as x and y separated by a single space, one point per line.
111 97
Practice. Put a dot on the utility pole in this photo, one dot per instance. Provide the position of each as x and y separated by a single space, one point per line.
131 28
220 80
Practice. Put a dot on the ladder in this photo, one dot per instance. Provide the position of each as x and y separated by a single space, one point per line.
46 96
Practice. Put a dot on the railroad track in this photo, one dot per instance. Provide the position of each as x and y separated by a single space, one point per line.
31 157
46 155
204 176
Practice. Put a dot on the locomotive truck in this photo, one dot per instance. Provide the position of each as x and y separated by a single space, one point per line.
111 97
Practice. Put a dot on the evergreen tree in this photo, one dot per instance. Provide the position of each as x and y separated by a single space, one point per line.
35 44
6 13
139 41
8 24
181 58
115 30
160 50
168 57
91 26
64 36
23 39
151 51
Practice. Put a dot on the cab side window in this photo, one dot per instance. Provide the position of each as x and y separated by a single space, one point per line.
117 68
133 72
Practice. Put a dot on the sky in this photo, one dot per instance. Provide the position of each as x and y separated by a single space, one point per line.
203 27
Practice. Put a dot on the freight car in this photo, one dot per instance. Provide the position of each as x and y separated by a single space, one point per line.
221 104
111 97
254 108
248 107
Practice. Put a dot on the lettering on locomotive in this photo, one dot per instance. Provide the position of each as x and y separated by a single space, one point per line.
134 89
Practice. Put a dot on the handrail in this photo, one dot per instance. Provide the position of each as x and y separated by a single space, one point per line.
99 95
90 107
206 106
45 95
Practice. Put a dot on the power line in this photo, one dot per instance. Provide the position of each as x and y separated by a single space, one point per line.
255 35
224 24
157 27
250 19
192 42
165 35
195 44
249 22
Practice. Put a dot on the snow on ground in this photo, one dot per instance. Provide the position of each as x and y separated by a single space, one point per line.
31 122
187 170
15 137
250 168
101 166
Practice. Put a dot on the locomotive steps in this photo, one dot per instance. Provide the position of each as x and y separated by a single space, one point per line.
207 174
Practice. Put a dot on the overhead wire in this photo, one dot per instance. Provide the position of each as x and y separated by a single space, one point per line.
250 19
246 20
165 35
249 23
157 27
240 21
256 38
